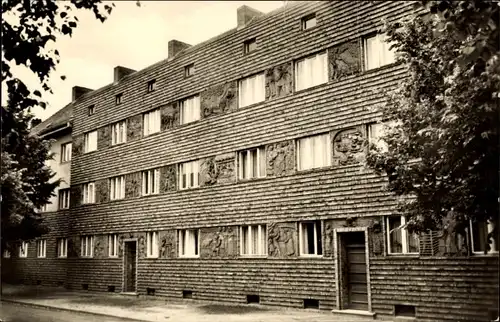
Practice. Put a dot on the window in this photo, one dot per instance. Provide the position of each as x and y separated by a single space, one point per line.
64 198
119 132
314 152
252 90
113 245
41 248
399 240
189 174
91 110
375 131
152 122
23 249
311 71
62 247
150 182
253 240
87 246
252 163
189 243
309 21
118 98
152 244
249 45
310 238
66 152
88 193
189 70
190 110
479 237
6 253
151 85
377 52
43 208
117 188
90 142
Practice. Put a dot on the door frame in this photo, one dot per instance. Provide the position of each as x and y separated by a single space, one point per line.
128 240
336 236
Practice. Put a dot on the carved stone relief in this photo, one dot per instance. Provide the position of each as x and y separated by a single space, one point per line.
208 174
99 246
280 158
219 99
328 233
103 137
133 184
168 178
282 239
134 128
169 116
168 244
102 190
349 147
225 168
279 81
344 60
77 145
219 242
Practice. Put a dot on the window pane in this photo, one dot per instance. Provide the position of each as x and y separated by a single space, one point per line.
395 235
479 236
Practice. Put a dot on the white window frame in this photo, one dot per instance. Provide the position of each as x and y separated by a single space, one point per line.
385 56
247 231
152 241
184 235
252 90
41 248
188 168
326 151
302 239
23 249
113 245
62 247
66 152
245 157
309 18
88 193
119 132
404 238
90 142
6 253
117 188
489 229
150 182
87 246
63 198
151 122
318 72
189 109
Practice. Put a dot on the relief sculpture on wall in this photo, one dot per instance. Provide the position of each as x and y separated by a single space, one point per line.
134 128
280 158
169 116
349 147
328 247
279 81
167 244
219 242
225 168
208 172
219 99
133 184
98 246
168 178
344 60
282 239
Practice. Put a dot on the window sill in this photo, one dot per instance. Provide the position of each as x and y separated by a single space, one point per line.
482 254
310 256
143 196
62 257
378 69
191 188
65 162
189 257
86 257
411 255
253 256
115 200
251 105
251 179
300 91
189 123
117 144
113 257
319 169
151 257
90 152
148 135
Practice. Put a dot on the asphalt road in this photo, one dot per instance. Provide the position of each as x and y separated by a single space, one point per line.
10 312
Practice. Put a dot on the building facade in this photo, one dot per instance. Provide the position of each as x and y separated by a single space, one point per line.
233 171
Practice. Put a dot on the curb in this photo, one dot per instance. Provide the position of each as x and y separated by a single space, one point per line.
63 309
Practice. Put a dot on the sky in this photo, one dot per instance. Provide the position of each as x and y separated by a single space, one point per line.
133 37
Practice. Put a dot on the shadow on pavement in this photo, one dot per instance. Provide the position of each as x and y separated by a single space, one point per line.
226 309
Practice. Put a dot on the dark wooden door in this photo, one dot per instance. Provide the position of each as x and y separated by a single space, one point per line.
130 266
356 271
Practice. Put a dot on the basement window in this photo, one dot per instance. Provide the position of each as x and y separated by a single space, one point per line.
187 294
253 299
311 304
85 287
111 288
404 310
150 291
38 282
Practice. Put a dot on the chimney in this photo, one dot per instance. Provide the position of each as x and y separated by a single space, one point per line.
245 15
175 47
78 91
120 72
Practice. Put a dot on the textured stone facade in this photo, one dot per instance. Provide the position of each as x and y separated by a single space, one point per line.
168 244
282 239
168 178
169 116
134 128
219 242
103 137
279 81
280 158
344 60
349 146
102 191
219 99
133 185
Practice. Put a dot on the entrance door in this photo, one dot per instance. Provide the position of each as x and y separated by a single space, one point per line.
130 272
355 274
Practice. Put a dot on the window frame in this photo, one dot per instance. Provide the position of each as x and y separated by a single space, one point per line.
328 151
156 123
196 175
61 202
62 252
181 236
6 253
87 140
113 183
305 19
113 245
116 128
247 45
262 249
489 228
85 192
41 248
261 76
66 152
365 39
118 98
23 249
86 239
196 112
152 244
318 227
91 110
324 54
151 85
189 70
260 157
153 186
405 247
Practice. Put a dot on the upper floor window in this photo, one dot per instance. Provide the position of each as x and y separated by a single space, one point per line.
252 163
310 240
23 249
66 152
152 122
314 152
6 253
113 245
119 132
88 193
377 51
253 240
151 85
90 142
399 240
190 109
189 70
150 182
479 237
118 98
309 21
189 174
375 132
249 45
41 248
189 244
252 90
43 208
91 110
87 246
152 244
117 188
62 247
64 198
311 71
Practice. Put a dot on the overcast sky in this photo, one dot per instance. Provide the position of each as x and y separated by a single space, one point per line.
134 37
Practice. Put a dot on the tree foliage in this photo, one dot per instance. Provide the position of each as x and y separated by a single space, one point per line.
442 155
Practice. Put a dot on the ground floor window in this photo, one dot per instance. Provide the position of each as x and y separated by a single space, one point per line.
479 237
310 238
41 248
189 245
6 253
87 246
62 247
113 245
399 240
253 240
152 244
23 249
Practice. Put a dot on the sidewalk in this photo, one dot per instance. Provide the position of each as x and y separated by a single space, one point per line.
158 310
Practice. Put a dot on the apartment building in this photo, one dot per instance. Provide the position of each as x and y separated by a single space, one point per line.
233 171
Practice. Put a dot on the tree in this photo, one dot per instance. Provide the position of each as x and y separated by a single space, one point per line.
29 29
442 144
